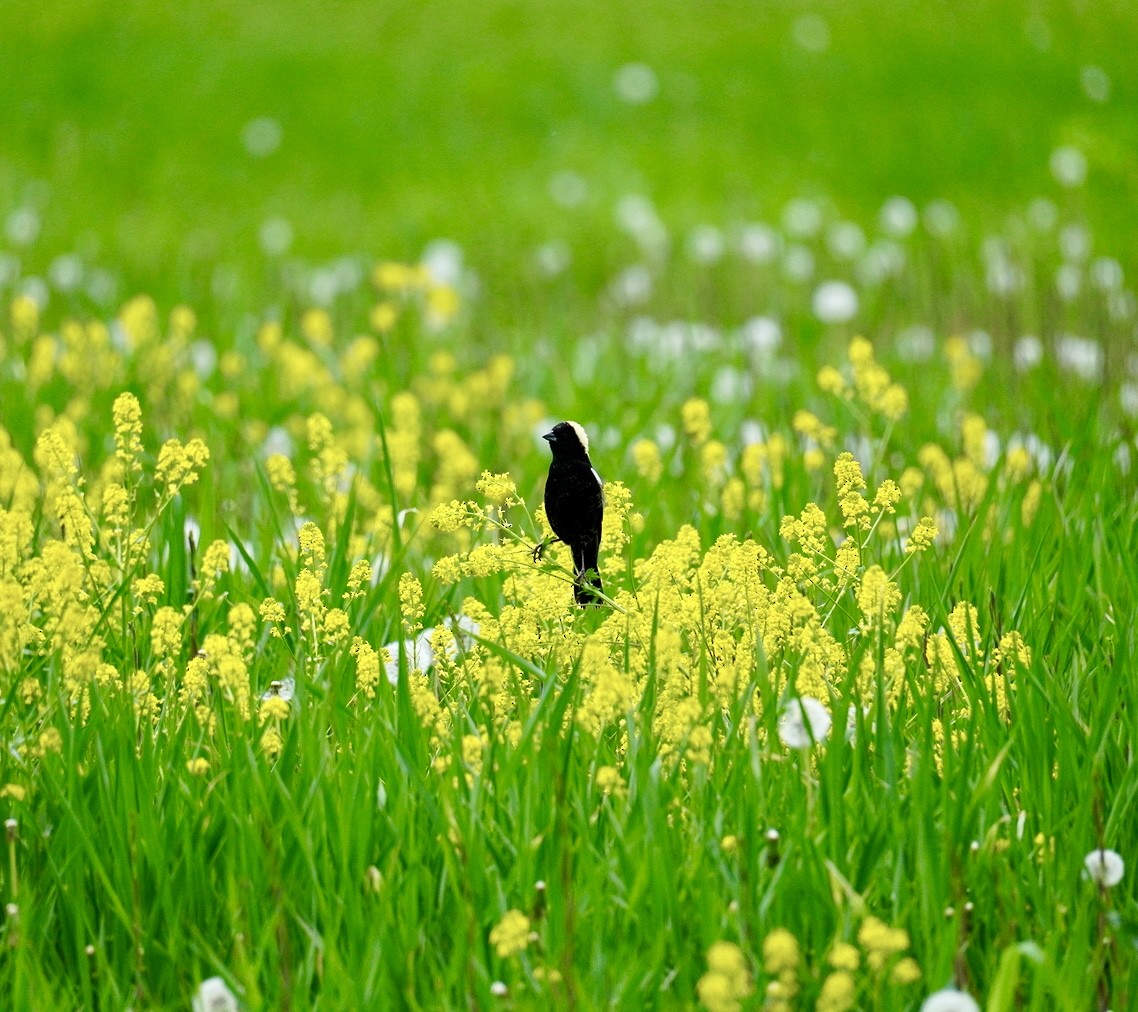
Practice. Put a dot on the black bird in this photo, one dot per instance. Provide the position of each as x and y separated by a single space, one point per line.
575 505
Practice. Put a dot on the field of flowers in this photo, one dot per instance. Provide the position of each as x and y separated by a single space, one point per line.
291 716
287 701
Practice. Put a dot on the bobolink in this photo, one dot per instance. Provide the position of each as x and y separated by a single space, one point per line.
575 505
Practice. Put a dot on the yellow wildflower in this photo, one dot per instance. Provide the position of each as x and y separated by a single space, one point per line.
511 934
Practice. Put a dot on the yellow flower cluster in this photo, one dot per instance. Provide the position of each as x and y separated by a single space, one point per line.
727 982
511 934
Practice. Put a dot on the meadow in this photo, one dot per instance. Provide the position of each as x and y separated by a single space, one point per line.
292 717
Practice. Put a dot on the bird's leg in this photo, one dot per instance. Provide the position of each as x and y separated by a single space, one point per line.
539 552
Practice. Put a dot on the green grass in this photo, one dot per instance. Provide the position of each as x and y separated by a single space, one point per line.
366 862
401 124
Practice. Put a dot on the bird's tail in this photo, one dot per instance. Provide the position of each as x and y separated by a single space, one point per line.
588 581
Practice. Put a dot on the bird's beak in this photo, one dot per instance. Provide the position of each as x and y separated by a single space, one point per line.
550 436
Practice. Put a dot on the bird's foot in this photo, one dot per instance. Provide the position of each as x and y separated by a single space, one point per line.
539 551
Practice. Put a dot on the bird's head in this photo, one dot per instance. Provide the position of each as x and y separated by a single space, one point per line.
568 439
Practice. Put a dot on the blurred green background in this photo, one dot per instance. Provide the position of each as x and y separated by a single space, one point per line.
158 138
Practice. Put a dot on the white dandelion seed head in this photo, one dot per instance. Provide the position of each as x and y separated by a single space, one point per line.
898 217
1082 356
275 236
1107 274
1068 282
568 188
66 272
916 343
761 335
665 436
635 83
23 226
552 258
36 289
802 218
845 240
835 302
1068 166
203 358
498 989
1104 867
810 32
635 213
730 385
798 263
213 995
443 259
705 244
1042 214
758 243
1128 399
1075 242
1122 306
980 344
1027 353
804 722
950 1000
262 136
102 287
9 268
1095 82
632 286
941 218
884 259
284 688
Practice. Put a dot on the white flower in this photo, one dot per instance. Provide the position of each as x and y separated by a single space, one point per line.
1128 398
1095 82
1074 242
420 656
1106 273
916 343
443 259
632 286
498 989
1068 166
804 722
635 83
898 217
1042 214
284 688
811 33
802 218
66 272
949 1000
1104 867
761 335
705 244
214 996
22 226
1028 352
758 243
798 263
275 236
1081 355
1068 282
568 188
262 136
835 302
845 240
941 218
552 258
